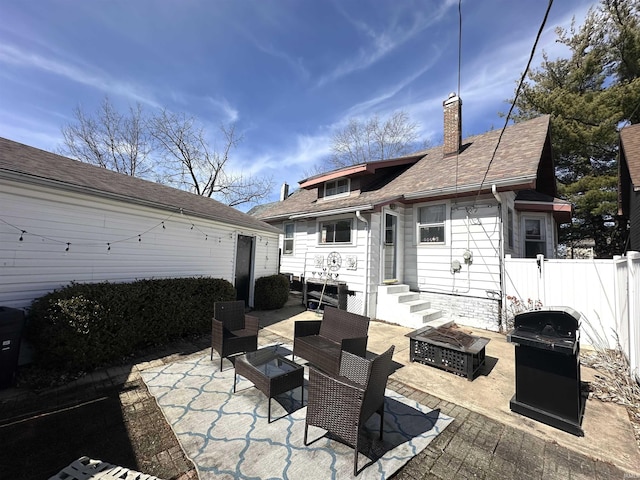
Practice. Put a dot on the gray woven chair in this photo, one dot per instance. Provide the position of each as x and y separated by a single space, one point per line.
232 331
342 404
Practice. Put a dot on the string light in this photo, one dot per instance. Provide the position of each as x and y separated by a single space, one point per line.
162 223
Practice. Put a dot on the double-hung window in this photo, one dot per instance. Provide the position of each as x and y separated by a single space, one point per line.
335 231
534 237
336 187
289 230
431 223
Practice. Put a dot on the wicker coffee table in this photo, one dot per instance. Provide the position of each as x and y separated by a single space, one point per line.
270 372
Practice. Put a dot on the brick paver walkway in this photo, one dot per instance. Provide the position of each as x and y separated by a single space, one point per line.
111 416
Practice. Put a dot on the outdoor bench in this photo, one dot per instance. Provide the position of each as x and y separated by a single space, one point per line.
321 342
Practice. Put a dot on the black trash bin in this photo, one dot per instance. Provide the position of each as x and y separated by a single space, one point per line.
547 361
11 326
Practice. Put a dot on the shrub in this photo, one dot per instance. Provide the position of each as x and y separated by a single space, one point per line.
271 292
83 326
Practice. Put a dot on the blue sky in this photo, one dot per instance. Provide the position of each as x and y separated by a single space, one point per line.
286 72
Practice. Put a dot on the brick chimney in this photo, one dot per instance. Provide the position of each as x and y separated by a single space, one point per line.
452 125
284 192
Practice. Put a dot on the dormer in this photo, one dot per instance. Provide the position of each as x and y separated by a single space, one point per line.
353 179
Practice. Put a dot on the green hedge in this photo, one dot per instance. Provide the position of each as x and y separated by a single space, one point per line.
84 326
271 292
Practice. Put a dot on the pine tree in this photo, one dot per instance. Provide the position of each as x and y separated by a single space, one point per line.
590 95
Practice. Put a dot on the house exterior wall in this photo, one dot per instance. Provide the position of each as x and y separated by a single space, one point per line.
471 296
428 267
51 218
309 258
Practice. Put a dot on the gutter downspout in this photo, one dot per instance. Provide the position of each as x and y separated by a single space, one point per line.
366 264
503 293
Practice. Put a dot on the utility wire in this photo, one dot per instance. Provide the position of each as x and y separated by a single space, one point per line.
513 104
459 74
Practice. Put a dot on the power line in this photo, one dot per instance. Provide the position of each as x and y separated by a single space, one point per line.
513 104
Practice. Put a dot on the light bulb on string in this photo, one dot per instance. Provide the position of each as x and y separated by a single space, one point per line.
22 232
163 227
108 248
66 250
139 238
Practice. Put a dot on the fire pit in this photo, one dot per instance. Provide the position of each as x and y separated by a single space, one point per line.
448 349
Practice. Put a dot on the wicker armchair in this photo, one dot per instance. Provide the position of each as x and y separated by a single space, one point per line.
321 342
342 404
232 331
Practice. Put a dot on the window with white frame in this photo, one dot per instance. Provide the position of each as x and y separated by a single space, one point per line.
289 230
335 231
534 237
431 223
336 187
510 227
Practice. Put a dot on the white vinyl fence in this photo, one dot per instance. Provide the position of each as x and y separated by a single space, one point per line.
606 293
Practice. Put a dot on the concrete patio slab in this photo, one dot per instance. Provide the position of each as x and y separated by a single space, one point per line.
608 432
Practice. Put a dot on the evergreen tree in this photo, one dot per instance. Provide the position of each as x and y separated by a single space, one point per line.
590 95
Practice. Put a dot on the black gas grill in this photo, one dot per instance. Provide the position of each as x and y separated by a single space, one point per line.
548 387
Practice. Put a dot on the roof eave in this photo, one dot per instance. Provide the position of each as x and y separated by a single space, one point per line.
562 211
512 183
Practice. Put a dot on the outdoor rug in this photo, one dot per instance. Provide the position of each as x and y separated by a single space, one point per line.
228 437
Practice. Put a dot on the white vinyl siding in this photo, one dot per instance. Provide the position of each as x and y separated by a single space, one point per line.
140 247
294 264
510 228
466 228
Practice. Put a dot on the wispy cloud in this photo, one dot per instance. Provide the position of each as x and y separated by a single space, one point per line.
83 74
229 111
372 105
295 64
384 42
29 131
286 162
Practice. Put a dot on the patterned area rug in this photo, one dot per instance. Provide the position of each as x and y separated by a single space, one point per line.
227 435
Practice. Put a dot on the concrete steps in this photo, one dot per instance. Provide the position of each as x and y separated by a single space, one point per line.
397 304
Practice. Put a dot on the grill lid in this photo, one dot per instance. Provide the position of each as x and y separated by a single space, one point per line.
550 322
548 329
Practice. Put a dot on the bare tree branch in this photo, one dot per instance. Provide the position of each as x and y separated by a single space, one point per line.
171 147
110 140
366 141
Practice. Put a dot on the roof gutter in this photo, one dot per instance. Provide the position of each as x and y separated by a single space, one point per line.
336 211
470 188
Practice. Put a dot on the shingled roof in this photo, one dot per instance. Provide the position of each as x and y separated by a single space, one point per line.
630 144
31 165
513 166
